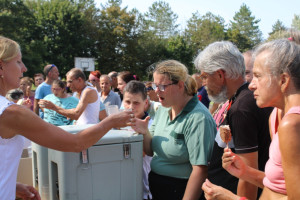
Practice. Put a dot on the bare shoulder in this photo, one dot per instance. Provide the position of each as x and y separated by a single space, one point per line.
289 134
11 119
289 123
12 112
89 91
90 95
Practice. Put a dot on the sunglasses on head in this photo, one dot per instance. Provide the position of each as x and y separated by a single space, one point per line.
50 68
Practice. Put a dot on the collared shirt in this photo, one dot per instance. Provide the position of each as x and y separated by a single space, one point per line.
182 142
111 99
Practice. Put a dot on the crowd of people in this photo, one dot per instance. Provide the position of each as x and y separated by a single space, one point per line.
256 94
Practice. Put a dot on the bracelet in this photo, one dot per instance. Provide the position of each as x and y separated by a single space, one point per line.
243 198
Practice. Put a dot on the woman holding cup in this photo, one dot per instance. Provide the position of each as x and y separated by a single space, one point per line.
17 122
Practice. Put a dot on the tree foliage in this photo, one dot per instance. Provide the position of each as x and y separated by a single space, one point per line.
178 49
278 26
280 34
244 22
279 31
240 40
296 22
203 30
161 20
57 31
117 41
63 32
18 23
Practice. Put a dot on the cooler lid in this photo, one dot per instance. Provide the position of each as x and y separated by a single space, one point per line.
125 135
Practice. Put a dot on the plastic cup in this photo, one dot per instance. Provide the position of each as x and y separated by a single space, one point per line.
112 109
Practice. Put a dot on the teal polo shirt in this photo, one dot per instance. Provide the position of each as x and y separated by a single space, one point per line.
185 141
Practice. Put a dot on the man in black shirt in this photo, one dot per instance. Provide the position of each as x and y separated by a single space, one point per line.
223 71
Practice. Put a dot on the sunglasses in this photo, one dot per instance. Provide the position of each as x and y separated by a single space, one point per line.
149 89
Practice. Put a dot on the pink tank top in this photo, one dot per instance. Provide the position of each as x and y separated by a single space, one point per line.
274 178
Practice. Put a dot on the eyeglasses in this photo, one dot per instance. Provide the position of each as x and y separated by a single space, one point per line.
162 88
50 68
149 89
204 76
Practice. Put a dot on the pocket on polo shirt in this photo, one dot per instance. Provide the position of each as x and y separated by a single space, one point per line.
178 137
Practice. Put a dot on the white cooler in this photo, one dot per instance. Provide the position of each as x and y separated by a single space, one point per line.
110 169
40 169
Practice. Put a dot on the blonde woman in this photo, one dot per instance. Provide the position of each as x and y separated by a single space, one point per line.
17 122
181 137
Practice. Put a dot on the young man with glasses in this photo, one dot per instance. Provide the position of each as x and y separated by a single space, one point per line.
51 73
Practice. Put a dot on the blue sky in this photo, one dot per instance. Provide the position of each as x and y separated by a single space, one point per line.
268 11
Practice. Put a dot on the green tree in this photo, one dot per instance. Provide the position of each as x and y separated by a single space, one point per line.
161 20
203 30
278 31
18 23
280 34
296 22
247 25
63 32
278 26
241 41
178 49
117 39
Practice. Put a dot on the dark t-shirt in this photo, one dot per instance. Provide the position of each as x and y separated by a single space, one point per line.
203 97
250 133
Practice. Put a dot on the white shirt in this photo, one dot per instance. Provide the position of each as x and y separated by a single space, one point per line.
10 154
91 113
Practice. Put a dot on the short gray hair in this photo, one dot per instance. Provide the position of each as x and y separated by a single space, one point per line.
76 73
283 56
221 55
105 76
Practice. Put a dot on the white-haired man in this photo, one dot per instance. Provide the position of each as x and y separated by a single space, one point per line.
223 70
